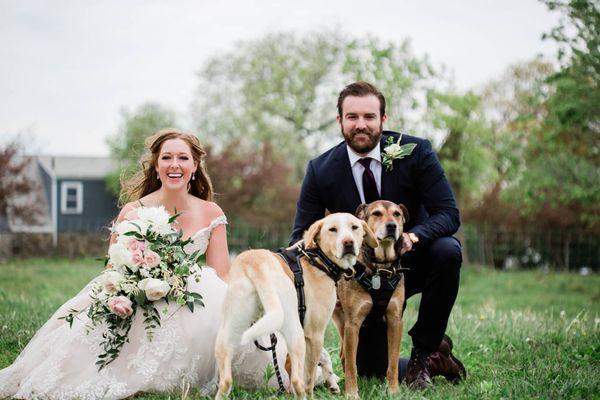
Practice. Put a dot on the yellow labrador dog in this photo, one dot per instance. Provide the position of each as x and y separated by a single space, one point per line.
261 280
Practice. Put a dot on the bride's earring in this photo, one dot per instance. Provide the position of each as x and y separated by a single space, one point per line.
158 176
193 175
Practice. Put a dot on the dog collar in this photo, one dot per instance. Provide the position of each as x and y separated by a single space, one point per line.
388 268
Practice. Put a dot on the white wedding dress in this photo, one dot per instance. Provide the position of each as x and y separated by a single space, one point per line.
59 361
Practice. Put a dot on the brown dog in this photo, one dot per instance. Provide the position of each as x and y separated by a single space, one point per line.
260 280
386 220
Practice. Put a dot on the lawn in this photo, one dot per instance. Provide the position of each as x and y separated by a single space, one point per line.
521 334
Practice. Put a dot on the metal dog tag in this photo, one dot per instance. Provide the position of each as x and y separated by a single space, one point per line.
376 282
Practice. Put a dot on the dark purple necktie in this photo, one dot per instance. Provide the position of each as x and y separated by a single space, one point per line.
368 181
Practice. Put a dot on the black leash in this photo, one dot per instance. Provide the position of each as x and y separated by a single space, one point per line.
292 259
275 363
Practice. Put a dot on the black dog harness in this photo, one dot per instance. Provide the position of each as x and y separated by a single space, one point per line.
380 285
315 257
292 258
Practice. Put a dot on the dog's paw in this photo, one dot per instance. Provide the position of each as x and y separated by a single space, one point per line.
334 388
332 384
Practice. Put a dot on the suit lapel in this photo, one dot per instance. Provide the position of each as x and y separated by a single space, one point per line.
346 184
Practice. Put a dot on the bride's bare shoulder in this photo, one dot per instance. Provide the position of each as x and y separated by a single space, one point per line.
208 208
128 211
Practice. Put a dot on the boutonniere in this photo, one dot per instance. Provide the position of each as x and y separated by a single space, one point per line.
393 151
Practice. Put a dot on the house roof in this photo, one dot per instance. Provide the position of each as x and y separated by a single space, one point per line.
77 167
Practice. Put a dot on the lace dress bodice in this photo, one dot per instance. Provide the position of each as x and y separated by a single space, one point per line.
201 238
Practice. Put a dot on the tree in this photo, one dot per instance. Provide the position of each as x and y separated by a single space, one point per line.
19 195
283 89
563 163
514 108
465 150
127 145
253 185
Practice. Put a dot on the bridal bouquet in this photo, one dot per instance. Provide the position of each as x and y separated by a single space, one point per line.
146 264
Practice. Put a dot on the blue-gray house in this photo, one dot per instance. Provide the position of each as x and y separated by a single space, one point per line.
74 196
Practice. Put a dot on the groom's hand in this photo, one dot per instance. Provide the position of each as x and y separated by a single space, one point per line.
407 244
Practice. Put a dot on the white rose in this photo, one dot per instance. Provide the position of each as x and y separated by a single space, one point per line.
393 149
111 280
163 229
125 240
136 225
155 288
124 227
158 217
119 255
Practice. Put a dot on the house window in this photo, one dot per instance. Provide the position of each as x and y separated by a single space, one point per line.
71 198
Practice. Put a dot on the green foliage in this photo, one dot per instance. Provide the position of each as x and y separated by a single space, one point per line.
271 89
523 334
283 88
465 153
403 77
578 34
127 145
564 161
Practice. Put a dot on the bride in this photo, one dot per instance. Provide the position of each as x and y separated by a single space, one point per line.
59 361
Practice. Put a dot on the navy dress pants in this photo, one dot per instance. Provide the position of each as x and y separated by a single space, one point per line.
435 273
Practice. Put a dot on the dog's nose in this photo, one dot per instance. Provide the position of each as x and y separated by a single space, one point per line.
390 226
348 242
348 246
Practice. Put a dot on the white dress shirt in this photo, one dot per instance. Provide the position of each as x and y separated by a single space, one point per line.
358 169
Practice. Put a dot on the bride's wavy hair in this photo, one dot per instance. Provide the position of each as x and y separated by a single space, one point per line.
145 181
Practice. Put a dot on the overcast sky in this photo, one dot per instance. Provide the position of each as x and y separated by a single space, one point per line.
68 67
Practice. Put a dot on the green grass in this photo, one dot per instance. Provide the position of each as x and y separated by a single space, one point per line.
521 334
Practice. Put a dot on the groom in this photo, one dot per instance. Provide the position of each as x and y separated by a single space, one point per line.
352 173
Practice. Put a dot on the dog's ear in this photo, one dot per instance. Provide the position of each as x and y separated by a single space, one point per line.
369 237
361 211
311 236
404 211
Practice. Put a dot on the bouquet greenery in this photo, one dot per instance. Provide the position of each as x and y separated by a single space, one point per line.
147 264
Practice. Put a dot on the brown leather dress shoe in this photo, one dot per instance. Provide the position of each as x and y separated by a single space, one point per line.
417 374
443 362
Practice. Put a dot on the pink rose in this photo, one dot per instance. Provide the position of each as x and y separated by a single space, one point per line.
137 258
151 259
137 245
120 306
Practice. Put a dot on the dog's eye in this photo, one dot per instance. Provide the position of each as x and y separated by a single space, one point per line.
397 214
354 227
377 213
333 229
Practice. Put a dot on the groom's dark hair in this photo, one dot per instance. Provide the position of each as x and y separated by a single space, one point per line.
360 89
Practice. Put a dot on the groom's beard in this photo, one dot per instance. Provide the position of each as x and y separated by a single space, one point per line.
364 140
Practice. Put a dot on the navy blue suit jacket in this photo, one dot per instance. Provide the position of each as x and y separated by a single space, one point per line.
417 181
